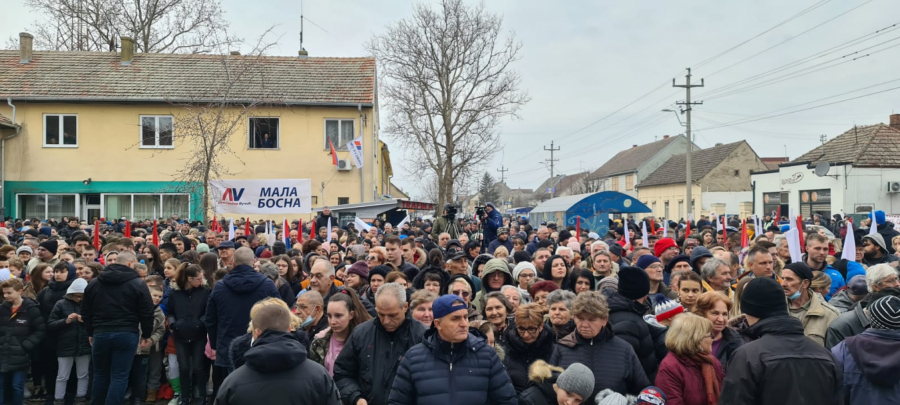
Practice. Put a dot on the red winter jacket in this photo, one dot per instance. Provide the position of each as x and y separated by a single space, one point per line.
682 382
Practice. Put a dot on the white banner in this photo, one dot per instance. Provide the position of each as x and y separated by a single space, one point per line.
273 196
356 152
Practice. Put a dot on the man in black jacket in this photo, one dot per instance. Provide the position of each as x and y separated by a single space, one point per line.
781 365
366 367
626 310
322 220
276 370
114 304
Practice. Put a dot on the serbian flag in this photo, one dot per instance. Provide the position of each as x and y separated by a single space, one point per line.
333 153
800 233
247 227
155 234
97 235
285 233
745 238
127 229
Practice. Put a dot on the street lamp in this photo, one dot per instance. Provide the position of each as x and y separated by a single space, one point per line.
676 115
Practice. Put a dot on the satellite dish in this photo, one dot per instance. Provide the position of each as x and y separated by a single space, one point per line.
822 169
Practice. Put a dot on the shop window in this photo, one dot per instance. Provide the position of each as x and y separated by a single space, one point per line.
815 202
61 130
339 132
46 206
157 131
143 206
264 133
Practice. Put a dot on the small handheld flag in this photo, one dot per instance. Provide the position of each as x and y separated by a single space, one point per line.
333 153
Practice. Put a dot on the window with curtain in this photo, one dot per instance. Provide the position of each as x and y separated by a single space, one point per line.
176 204
117 206
340 132
32 206
144 205
59 206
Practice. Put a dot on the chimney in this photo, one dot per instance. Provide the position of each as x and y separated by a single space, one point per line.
633 146
235 53
665 137
26 52
719 144
127 50
895 121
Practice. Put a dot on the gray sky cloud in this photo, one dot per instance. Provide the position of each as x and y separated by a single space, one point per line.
584 60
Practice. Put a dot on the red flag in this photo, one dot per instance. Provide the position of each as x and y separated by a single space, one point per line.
745 239
286 232
127 229
300 231
333 153
724 231
778 216
3 224
97 235
652 227
800 234
687 230
155 234
247 227
312 231
213 226
578 228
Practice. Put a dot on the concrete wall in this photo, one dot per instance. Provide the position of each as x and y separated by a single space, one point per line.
673 193
731 201
722 178
109 150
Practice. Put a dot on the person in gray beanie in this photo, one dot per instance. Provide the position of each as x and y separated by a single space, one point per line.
574 385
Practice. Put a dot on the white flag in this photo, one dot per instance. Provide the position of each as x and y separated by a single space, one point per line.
873 229
793 238
644 233
270 236
627 237
328 238
230 229
849 252
665 229
719 224
356 151
405 220
361 225
792 221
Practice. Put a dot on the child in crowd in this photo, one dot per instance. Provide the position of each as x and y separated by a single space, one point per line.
138 377
72 346
16 266
23 330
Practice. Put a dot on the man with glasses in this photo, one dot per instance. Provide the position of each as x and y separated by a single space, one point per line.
46 253
875 251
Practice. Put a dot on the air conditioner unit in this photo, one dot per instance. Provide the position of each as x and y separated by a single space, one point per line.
893 187
344 165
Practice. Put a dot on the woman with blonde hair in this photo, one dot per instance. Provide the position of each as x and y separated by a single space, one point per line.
690 374
240 345
716 307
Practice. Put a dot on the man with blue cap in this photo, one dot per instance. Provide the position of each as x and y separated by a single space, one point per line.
426 373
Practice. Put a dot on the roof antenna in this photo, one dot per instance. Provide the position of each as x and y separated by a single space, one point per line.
302 54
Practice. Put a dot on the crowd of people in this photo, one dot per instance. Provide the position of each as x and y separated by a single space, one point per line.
491 310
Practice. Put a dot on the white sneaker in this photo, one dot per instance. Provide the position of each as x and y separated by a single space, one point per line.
175 399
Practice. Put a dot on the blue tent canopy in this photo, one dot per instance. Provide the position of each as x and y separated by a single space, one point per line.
592 208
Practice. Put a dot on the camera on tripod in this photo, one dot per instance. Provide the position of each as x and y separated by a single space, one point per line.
452 210
480 212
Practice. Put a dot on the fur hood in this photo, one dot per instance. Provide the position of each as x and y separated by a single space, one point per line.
541 371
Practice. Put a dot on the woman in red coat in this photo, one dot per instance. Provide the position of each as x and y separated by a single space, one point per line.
690 374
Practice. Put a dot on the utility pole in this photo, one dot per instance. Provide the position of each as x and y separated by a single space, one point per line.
689 210
502 171
552 161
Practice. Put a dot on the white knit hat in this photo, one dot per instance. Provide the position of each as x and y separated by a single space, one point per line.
77 286
521 267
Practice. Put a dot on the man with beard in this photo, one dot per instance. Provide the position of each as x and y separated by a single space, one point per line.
816 252
876 252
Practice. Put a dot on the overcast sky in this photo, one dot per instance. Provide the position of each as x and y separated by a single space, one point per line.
583 60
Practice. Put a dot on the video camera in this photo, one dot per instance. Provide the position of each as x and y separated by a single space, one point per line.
451 211
480 212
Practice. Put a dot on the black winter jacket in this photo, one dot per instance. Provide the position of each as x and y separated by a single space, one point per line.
540 393
117 301
626 319
241 345
731 341
612 359
782 366
47 299
438 372
185 313
368 363
228 308
278 372
20 334
72 338
520 356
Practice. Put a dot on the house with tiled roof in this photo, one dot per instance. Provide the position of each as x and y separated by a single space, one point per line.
852 173
720 182
631 166
104 134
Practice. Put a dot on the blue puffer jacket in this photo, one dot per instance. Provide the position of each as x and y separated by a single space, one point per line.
870 363
228 309
437 372
492 224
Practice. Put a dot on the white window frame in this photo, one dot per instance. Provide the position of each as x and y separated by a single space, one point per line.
343 145
61 119
250 129
156 125
131 214
47 203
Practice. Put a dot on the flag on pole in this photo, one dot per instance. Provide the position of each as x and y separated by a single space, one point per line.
724 231
792 236
299 230
400 225
247 227
285 232
800 233
644 233
687 230
745 238
665 230
652 226
155 233
97 235
230 228
328 232
214 224
849 251
127 228
627 232
333 153
312 231
873 228
778 215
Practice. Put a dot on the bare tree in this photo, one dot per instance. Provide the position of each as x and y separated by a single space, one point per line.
161 26
585 184
446 79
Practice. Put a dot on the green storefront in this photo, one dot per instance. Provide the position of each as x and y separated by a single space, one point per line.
91 200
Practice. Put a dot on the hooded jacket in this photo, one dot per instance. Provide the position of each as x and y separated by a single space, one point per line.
117 301
768 369
277 372
228 308
870 363
520 355
626 317
493 265
540 386
20 334
492 224
850 323
419 282
54 292
185 312
438 372
612 359
71 338
369 360
241 344
842 301
887 232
